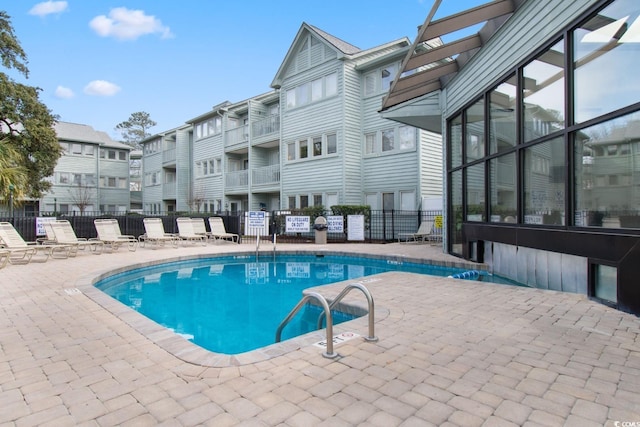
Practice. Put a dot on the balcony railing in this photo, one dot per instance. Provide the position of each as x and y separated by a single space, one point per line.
237 179
266 126
236 135
265 175
169 156
169 191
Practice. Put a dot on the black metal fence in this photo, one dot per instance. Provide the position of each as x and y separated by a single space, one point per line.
379 226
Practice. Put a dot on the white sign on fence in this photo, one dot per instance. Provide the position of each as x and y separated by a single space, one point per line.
298 224
40 220
335 224
256 223
355 227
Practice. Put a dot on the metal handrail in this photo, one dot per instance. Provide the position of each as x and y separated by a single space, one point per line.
257 245
329 353
367 294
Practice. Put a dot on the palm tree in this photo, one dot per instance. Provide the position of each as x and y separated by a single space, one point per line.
13 177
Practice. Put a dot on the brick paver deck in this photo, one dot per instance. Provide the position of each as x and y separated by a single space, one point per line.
449 352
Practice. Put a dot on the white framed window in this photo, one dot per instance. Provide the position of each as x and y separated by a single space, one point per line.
379 80
313 91
332 143
317 146
303 150
407 137
331 85
390 141
89 150
370 143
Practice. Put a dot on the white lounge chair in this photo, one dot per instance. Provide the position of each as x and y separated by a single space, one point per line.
109 233
155 234
219 232
63 233
186 232
4 257
421 235
200 228
21 252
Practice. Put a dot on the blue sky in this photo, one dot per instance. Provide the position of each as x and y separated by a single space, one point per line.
98 61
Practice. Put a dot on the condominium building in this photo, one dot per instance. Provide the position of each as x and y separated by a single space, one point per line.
316 138
91 175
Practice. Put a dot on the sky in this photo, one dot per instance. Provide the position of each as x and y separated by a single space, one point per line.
98 61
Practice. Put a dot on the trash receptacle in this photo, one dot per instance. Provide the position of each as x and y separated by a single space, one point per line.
320 226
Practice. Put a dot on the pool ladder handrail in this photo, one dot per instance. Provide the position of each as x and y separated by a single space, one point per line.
257 245
329 353
372 336
327 313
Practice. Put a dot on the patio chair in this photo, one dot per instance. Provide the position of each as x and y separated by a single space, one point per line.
186 233
155 234
219 232
421 235
109 233
200 228
63 233
21 252
4 257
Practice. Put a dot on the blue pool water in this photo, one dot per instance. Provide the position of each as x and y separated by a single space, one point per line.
234 304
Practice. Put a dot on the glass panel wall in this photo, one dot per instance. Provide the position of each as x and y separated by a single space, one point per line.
607 174
475 192
474 131
502 117
455 230
455 138
543 93
544 186
502 187
606 57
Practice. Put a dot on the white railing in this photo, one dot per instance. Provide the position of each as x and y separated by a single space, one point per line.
237 179
266 126
236 135
265 175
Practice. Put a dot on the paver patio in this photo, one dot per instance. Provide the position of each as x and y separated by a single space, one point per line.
450 352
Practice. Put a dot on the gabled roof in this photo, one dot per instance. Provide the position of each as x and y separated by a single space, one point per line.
340 46
84 133
431 63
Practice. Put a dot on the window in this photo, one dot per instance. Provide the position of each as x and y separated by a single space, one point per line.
313 91
606 48
502 187
76 149
388 201
122 182
304 202
292 202
475 193
379 81
111 154
291 151
369 143
317 200
63 178
317 146
543 93
455 138
388 140
502 116
474 131
407 137
544 188
332 144
89 150
303 149
122 155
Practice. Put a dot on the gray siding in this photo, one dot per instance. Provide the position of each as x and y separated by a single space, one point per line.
183 169
533 25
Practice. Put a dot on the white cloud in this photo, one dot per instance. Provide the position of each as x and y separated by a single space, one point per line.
125 24
48 7
101 88
64 92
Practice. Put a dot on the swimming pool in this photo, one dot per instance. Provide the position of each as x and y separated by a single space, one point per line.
234 304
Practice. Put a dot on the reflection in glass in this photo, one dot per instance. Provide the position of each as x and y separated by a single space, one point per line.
502 185
455 136
456 210
502 117
607 174
607 57
544 194
543 93
475 131
475 192
606 283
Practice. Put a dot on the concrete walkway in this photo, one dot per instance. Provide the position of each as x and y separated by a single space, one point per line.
450 352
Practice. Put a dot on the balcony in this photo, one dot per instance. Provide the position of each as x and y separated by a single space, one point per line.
169 191
267 175
169 156
236 136
236 179
266 126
